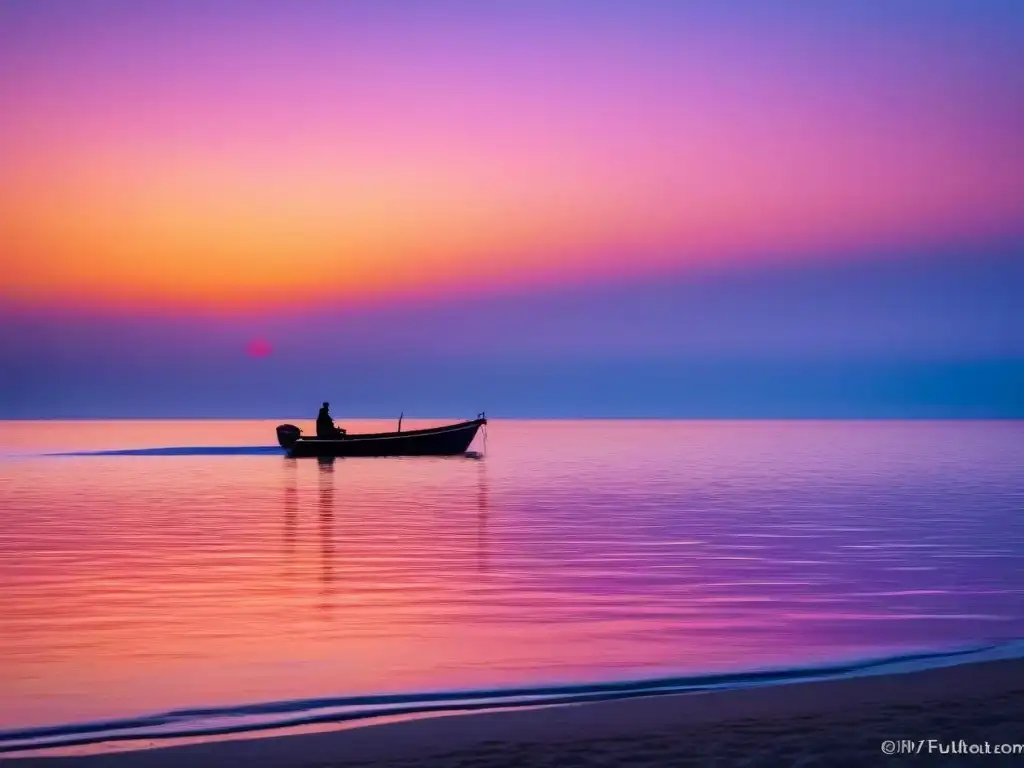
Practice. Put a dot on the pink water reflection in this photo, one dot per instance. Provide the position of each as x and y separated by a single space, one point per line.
573 551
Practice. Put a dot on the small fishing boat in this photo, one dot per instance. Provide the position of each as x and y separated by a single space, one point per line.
448 440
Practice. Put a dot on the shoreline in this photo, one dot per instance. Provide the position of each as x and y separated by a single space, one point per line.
288 717
837 720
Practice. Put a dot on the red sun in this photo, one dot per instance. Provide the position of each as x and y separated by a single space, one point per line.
258 348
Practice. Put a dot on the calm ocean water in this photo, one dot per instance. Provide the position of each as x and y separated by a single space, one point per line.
571 553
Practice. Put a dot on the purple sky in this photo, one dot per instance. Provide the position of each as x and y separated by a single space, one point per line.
583 208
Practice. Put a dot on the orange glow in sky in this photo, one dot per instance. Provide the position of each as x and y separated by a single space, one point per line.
309 158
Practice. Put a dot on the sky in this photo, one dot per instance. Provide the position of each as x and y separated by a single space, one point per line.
735 209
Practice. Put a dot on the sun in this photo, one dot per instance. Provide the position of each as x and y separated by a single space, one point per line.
258 348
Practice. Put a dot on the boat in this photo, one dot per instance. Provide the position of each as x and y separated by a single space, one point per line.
447 440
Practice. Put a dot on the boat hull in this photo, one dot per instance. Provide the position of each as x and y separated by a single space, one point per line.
450 440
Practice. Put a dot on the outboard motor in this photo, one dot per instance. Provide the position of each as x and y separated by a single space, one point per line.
287 434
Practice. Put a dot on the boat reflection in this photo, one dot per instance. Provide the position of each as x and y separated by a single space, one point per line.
291 515
326 515
309 557
483 509
325 520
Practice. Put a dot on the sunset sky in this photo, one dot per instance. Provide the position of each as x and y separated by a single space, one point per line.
540 208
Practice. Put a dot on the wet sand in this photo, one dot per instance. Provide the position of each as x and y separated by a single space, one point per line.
835 723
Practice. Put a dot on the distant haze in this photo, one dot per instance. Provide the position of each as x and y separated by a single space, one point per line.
916 338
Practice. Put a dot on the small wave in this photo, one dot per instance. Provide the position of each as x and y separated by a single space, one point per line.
187 450
218 721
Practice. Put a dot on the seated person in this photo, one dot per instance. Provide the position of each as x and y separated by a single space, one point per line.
325 424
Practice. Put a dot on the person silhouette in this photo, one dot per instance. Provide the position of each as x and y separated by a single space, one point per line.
325 424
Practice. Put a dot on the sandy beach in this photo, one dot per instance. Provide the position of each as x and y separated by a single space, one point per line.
839 722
